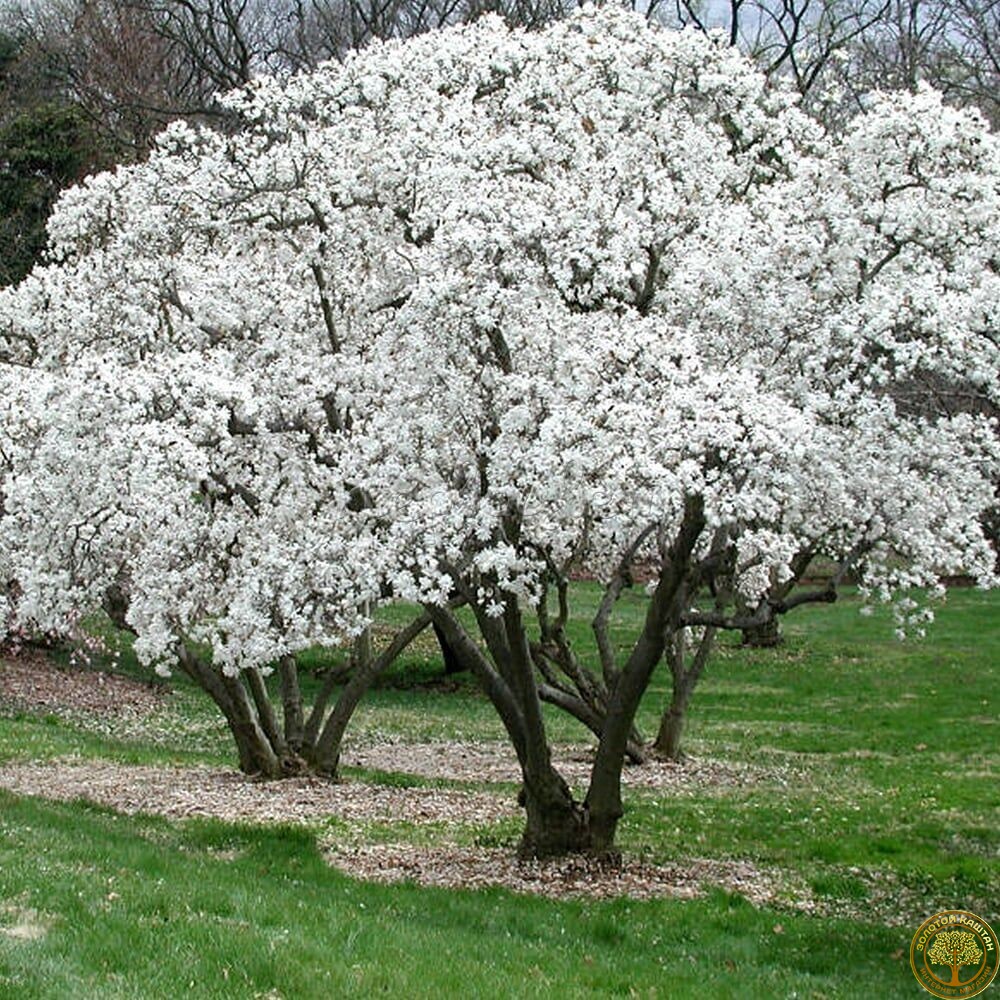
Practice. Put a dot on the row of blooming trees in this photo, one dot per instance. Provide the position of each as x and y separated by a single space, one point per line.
464 315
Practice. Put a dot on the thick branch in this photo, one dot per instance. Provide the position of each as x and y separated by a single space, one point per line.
333 677
265 710
291 697
604 795
582 712
601 623
369 667
765 613
494 685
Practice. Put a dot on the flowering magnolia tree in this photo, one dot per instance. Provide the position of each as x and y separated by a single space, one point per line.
465 315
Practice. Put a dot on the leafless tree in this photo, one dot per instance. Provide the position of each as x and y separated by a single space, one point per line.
835 50
953 45
133 65
797 39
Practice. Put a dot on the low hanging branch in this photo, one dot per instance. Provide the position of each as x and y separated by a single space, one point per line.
782 600
718 568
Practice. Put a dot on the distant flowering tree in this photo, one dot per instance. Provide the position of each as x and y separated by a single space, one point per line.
465 315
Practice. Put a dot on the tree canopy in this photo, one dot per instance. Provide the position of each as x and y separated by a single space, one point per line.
459 316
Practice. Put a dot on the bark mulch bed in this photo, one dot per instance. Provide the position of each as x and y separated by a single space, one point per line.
184 792
491 762
229 795
454 867
31 682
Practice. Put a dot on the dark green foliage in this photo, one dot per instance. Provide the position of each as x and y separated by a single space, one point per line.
46 144
42 150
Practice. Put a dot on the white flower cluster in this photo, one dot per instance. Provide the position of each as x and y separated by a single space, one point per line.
467 308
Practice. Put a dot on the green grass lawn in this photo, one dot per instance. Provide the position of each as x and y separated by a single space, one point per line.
874 796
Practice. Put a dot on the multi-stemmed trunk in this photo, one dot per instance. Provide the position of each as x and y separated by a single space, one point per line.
566 682
668 737
767 634
297 743
764 636
556 822
760 626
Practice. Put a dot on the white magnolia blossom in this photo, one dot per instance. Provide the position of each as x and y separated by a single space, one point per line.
464 308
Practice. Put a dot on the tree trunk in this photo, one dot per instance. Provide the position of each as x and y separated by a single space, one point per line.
210 681
452 661
291 698
260 747
256 757
604 794
555 824
668 739
685 678
264 759
266 718
115 605
334 676
325 755
290 761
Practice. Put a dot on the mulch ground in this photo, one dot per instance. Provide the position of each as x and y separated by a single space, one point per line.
186 792
460 867
183 792
495 762
32 682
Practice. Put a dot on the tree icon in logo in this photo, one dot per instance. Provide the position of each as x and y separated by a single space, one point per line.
954 949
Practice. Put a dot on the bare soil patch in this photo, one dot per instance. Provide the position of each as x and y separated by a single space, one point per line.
228 795
33 683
